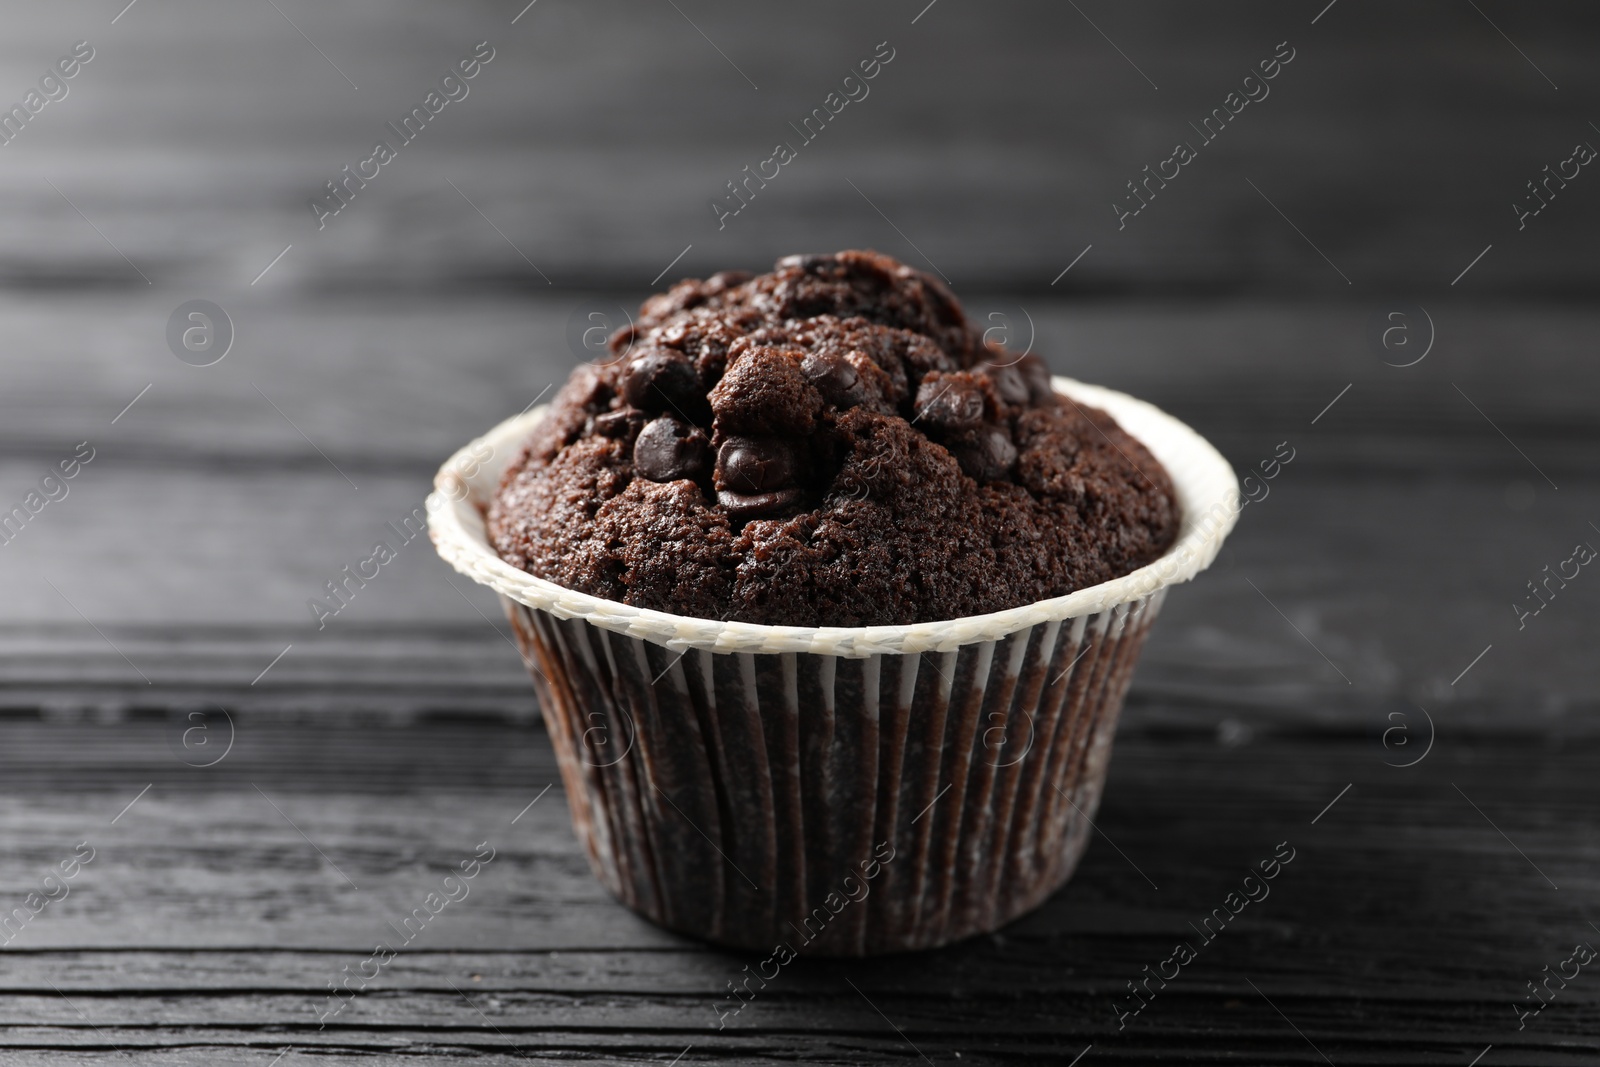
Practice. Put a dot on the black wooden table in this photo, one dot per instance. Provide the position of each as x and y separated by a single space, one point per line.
248 803
1358 621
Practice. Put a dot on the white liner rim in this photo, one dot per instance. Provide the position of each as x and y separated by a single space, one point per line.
1208 497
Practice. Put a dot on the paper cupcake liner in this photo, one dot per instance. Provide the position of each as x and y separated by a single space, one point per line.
836 790
738 796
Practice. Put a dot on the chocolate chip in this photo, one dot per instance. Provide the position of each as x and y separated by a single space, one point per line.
1036 373
835 378
668 449
618 424
1009 384
754 464
988 458
742 506
948 404
660 379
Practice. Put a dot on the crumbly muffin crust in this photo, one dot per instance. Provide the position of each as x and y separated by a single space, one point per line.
829 444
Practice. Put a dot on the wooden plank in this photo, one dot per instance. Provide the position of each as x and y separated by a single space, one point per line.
1400 583
393 386
206 920
996 140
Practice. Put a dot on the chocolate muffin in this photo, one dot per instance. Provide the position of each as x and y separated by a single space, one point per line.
829 444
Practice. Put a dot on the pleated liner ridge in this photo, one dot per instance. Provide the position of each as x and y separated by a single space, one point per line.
751 799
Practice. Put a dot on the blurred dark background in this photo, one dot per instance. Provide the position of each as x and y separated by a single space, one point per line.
1249 298
997 139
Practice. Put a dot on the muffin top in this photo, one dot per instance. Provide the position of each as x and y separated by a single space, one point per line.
830 444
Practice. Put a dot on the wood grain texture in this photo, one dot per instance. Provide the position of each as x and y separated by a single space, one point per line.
1402 931
996 142
378 751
